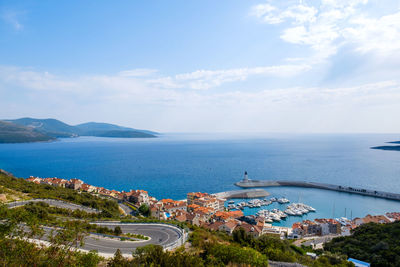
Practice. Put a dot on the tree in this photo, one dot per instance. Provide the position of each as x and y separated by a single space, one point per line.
144 210
118 260
374 243
117 230
64 240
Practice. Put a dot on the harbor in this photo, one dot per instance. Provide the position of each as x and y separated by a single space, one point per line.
249 183
275 213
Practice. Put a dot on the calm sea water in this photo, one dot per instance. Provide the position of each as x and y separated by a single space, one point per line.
175 164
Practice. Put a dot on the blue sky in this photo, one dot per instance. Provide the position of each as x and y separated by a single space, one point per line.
204 66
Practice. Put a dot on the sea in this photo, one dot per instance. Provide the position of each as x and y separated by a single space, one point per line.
172 165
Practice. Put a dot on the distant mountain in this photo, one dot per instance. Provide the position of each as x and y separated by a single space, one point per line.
120 134
52 128
13 133
104 127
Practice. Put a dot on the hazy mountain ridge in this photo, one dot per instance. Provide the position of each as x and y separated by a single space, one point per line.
101 126
13 133
32 130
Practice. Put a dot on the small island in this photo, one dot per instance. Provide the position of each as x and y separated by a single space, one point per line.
391 147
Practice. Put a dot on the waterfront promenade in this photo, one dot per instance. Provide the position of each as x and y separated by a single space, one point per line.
247 183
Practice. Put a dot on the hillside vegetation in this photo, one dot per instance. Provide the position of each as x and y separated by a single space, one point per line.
109 208
13 133
377 244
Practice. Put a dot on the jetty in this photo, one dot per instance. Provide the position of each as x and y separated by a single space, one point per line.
247 193
249 183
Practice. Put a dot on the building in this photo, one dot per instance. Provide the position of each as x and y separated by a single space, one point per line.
35 180
168 209
227 215
138 197
395 216
329 226
250 229
59 182
229 226
307 228
205 200
203 213
192 196
74 184
372 218
88 188
280 231
317 227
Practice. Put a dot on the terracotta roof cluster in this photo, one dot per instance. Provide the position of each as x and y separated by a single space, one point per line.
317 227
393 215
372 218
197 194
329 221
226 215
203 211
135 193
232 225
79 184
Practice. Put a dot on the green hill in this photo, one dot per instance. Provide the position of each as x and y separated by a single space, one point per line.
13 133
32 130
50 127
104 129
120 134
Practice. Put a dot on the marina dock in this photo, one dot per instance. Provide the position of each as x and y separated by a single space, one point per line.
248 183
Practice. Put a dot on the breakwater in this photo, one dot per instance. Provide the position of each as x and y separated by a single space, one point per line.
247 183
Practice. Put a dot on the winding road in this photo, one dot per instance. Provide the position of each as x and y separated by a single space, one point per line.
54 203
160 234
165 235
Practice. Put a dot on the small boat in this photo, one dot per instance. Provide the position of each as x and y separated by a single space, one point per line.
283 200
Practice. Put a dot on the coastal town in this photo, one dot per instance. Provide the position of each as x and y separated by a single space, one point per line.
209 211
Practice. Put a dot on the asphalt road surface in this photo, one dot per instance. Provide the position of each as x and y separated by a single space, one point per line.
127 209
53 202
160 234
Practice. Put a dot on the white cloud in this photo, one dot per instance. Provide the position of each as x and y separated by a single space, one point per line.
270 14
133 102
28 78
137 72
375 34
205 79
327 25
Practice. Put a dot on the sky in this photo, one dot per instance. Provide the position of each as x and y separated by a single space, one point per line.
327 66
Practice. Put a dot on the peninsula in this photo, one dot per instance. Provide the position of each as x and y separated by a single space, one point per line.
393 148
27 130
390 147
